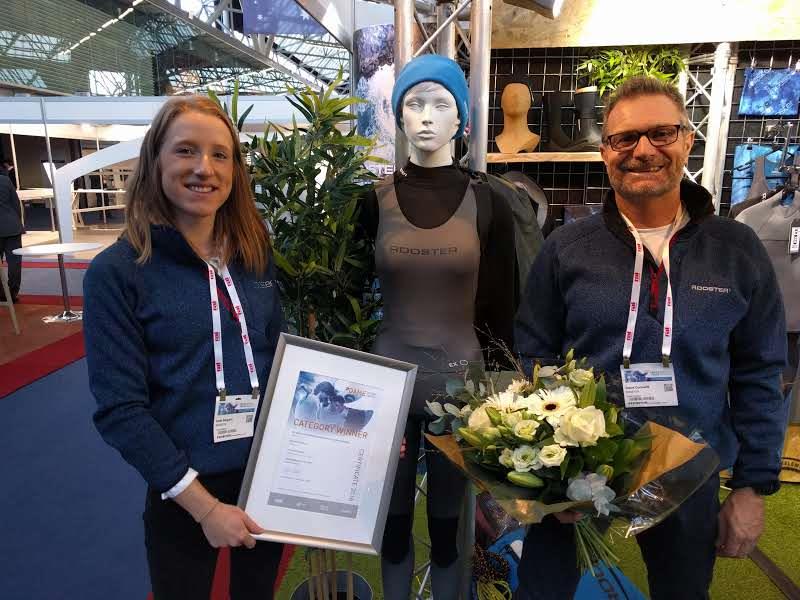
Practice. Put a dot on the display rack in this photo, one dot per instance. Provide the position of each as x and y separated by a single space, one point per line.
538 157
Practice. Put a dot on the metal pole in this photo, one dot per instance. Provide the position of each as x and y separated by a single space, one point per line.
14 154
719 113
480 50
442 27
403 51
64 289
52 168
446 44
100 173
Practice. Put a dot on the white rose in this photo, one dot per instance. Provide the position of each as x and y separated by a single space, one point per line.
506 458
580 377
552 456
479 420
526 430
581 427
523 458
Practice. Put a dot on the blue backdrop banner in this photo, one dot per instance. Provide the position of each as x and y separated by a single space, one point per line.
282 17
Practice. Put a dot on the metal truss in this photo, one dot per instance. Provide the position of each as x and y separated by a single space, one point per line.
712 98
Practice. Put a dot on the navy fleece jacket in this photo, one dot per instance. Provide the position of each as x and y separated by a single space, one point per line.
151 358
729 343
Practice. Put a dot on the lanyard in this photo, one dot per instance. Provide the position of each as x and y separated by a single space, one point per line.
216 322
636 287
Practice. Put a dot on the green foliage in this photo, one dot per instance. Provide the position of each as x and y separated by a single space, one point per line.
309 181
609 68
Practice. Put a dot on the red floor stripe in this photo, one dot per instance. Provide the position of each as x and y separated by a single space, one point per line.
74 301
28 368
219 588
26 264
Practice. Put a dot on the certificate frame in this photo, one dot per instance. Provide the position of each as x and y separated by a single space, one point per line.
292 491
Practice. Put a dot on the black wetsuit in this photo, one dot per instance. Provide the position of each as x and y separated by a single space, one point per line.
446 292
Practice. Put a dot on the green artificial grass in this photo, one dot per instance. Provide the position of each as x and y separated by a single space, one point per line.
733 579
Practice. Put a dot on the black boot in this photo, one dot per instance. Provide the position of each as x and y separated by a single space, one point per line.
558 140
589 137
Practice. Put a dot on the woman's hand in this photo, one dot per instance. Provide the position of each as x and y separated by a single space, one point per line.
223 524
228 525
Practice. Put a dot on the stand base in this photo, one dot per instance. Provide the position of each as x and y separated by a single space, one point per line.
68 316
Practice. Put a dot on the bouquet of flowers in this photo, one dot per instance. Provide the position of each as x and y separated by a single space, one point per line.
555 442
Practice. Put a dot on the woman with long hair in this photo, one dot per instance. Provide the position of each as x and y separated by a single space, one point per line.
181 320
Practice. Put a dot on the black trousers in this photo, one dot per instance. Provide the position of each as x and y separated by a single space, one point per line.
182 562
679 553
7 247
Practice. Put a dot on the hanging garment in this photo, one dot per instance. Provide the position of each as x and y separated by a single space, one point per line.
772 222
745 169
759 185
770 92
737 209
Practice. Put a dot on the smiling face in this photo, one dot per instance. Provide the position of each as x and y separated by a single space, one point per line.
196 164
645 171
430 116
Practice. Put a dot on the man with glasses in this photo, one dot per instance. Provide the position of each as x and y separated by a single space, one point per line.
657 283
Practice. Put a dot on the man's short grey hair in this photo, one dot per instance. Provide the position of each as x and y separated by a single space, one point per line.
642 85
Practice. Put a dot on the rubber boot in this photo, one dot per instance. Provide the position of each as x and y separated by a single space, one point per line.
589 137
558 141
446 581
397 577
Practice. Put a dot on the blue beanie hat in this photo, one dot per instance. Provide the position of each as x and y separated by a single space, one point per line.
441 70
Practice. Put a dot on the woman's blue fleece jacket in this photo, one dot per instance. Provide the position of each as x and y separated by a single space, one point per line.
151 359
729 345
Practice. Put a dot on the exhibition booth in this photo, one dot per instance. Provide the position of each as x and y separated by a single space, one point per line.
422 389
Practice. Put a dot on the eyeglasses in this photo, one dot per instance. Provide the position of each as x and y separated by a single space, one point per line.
663 135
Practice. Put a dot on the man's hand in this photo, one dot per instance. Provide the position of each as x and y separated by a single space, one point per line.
228 525
741 522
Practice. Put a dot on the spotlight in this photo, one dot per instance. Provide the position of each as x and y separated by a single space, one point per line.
548 8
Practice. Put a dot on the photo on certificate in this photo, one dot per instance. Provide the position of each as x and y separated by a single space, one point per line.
326 446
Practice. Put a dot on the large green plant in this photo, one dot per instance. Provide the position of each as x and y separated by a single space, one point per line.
609 68
310 180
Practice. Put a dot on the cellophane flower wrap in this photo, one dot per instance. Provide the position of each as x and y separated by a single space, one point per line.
555 441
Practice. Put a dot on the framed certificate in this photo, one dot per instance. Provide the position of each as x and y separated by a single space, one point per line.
326 446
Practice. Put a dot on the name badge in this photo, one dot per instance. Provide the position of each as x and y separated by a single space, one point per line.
234 417
649 384
794 237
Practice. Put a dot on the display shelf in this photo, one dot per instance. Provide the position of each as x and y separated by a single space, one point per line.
538 157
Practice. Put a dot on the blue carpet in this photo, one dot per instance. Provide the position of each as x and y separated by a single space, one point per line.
70 507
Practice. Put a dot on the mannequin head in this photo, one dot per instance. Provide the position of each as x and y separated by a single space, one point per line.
516 100
429 120
436 69
431 106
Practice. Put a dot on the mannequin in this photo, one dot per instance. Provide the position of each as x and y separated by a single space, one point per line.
516 137
442 285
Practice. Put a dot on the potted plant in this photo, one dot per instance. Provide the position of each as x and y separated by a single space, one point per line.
609 68
309 181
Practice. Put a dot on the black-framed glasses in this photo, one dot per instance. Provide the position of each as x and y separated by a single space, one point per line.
663 135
